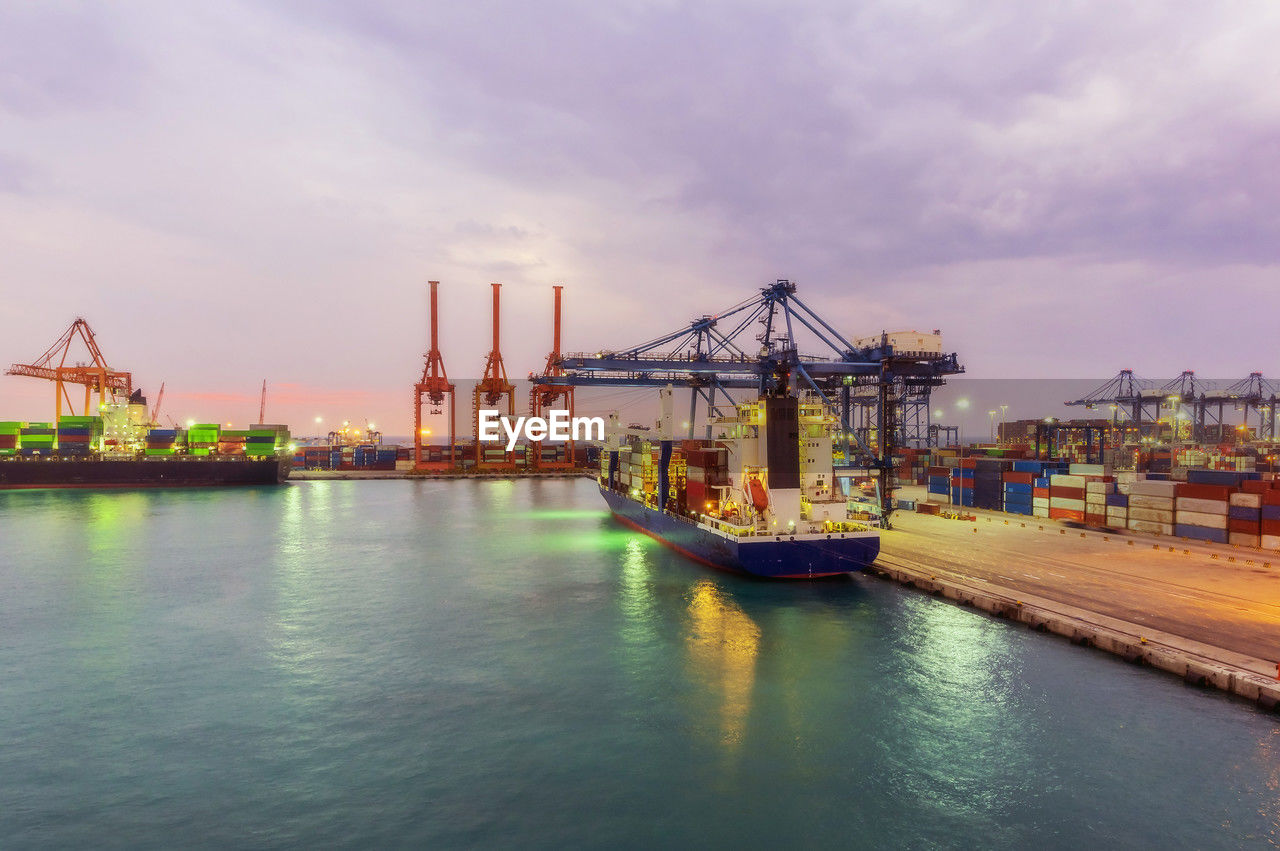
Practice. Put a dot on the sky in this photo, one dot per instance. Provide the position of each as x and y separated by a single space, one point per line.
231 192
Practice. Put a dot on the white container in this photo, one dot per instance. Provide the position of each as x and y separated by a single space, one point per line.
1089 469
1246 500
1150 528
1061 481
1162 503
1154 515
1153 488
1040 502
1100 487
1242 539
1068 504
1200 506
1269 542
1117 516
1197 518
1043 511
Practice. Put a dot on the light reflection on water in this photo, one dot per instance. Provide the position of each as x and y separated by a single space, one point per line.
491 663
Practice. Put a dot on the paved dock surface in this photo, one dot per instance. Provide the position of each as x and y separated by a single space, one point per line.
1215 602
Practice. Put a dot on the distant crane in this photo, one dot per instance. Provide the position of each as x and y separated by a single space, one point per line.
434 385
543 396
155 411
493 387
95 376
262 407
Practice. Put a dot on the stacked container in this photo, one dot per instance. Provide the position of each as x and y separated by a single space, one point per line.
938 484
1201 512
1151 506
1270 517
962 481
202 439
1066 497
1117 510
161 441
1096 492
37 439
1244 519
9 437
79 436
232 442
988 485
1019 488
263 440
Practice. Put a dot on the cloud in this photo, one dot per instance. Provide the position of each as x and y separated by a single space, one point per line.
239 190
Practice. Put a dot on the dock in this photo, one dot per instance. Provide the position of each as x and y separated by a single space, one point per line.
1204 612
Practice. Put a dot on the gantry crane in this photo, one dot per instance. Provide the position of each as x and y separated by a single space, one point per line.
434 386
713 362
95 376
493 388
543 397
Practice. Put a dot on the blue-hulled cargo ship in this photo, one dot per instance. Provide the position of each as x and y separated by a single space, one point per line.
759 498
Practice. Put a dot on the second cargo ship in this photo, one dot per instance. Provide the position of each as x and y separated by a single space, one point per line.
120 447
759 498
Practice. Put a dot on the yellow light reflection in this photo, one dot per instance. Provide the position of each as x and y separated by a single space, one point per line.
723 644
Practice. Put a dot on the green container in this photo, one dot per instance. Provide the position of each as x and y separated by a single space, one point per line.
158 451
198 450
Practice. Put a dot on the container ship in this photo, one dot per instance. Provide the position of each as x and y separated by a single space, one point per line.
120 447
759 498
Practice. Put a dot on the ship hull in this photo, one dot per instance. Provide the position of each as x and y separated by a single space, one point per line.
173 472
780 557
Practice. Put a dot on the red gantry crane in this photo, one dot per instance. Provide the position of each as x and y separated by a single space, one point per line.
434 385
95 375
544 397
492 388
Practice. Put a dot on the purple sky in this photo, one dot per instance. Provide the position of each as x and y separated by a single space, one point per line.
230 192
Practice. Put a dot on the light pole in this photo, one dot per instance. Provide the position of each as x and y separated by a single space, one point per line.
992 416
1004 410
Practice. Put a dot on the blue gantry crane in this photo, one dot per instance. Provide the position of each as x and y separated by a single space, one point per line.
752 346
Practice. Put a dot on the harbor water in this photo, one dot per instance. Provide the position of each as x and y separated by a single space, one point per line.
498 664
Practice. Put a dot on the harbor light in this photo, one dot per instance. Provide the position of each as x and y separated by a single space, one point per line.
962 403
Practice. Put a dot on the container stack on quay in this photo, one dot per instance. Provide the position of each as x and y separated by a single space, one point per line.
1220 505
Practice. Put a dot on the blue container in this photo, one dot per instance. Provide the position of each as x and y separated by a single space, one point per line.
1120 499
1244 512
1023 510
1017 487
1200 533
1028 466
1271 512
1042 483
1230 478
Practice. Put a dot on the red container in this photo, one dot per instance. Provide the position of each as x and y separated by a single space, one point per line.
1255 486
1019 478
1270 527
1042 493
1249 527
1066 493
1066 514
1271 497
969 463
1219 492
